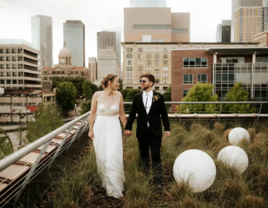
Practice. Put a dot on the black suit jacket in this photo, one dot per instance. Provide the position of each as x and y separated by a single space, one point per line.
157 109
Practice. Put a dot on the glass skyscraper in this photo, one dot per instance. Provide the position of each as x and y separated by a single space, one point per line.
42 38
74 37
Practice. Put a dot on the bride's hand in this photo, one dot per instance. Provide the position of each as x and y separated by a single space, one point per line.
91 135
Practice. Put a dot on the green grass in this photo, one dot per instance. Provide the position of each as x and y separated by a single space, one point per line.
78 184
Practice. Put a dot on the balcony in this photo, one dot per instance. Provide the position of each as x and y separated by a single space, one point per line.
4 99
18 100
34 99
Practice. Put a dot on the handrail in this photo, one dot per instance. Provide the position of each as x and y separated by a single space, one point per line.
213 102
14 157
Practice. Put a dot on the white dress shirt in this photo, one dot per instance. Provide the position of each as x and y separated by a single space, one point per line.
149 101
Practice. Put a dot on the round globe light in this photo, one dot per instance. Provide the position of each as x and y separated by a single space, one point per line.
195 167
235 157
236 135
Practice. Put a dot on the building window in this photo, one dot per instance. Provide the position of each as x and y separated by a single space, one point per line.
1 58
148 62
148 56
140 68
140 49
165 55
129 81
129 62
156 74
129 74
165 62
202 78
148 49
156 68
76 72
157 81
156 56
156 50
129 56
156 62
140 62
148 68
129 68
165 81
156 88
129 49
140 56
62 72
165 88
187 79
14 50
55 72
165 74
184 93
1 50
45 72
165 49
165 68
2 66
195 62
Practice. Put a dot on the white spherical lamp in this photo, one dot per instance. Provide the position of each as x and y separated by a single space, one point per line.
234 156
196 168
236 135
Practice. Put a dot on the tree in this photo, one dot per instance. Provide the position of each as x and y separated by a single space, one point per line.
65 97
199 92
167 94
237 93
87 91
47 118
6 147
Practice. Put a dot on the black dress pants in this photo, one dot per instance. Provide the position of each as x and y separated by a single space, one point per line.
154 143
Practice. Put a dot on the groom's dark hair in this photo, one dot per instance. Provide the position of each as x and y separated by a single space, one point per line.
149 76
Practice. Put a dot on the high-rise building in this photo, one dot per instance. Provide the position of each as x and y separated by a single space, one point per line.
224 32
237 5
74 36
42 38
92 68
148 3
108 39
155 25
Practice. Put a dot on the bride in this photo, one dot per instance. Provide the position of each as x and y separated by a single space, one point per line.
107 135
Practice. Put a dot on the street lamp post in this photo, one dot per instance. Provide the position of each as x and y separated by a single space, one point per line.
21 116
75 110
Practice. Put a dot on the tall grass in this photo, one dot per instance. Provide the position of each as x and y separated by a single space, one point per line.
78 184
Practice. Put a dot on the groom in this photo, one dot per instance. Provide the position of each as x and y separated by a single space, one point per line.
150 108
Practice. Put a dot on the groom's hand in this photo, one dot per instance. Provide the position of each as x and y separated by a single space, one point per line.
167 133
127 133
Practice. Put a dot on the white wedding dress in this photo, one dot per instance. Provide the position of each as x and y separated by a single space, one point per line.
108 144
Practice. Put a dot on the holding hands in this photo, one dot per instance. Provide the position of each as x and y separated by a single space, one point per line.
128 133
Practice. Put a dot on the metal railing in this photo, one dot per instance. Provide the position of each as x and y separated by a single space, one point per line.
46 149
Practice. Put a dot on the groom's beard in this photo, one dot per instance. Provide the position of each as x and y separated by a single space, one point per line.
145 88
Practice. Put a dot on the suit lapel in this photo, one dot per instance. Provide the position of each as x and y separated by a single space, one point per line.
152 102
141 103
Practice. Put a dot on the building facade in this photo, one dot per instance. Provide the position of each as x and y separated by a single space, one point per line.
107 63
148 3
140 58
42 39
261 38
155 25
74 36
224 32
65 67
221 65
19 67
92 69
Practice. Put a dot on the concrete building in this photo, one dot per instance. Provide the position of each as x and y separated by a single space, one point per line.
107 63
155 25
140 58
20 77
74 36
110 39
221 65
19 67
148 3
65 67
92 69
261 38
224 32
42 38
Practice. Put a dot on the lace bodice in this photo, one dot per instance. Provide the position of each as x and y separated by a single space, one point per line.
108 105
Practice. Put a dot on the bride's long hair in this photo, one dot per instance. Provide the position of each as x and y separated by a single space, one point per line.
106 79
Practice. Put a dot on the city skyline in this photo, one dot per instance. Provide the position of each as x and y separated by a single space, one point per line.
101 17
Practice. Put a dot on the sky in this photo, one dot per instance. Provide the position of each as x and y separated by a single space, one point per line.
101 15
